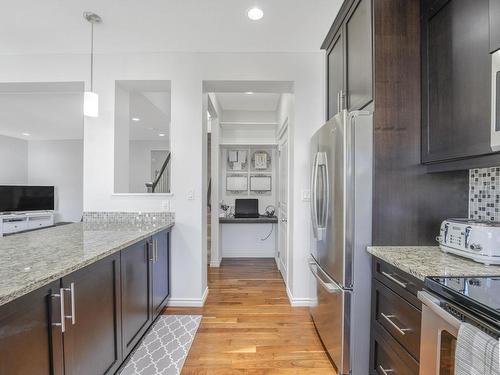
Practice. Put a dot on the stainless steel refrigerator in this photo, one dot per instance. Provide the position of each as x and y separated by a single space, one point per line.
341 215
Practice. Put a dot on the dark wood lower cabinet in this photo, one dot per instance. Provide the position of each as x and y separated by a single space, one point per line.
136 293
161 271
27 338
92 344
395 322
108 306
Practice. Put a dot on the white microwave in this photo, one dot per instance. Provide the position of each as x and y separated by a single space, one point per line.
495 101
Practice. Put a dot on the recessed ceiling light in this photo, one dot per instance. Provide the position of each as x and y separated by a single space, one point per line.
26 134
161 134
136 119
249 93
255 14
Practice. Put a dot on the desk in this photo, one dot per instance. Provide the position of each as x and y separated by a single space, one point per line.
247 220
248 237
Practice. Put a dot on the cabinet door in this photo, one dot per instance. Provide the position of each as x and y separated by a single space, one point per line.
494 25
29 343
358 35
457 81
136 293
161 271
92 341
335 72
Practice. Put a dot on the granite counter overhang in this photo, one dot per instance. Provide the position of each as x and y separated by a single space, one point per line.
30 260
423 261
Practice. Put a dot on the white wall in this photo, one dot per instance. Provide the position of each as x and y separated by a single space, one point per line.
187 71
266 199
59 163
122 140
13 161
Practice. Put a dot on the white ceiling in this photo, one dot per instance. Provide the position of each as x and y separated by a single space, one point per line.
150 103
153 110
246 102
57 26
45 115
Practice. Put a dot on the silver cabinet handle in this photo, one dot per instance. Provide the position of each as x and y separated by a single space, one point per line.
385 371
61 298
388 318
392 278
71 289
155 251
150 251
338 102
342 97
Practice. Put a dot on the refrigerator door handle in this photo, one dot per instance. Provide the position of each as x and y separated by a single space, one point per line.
314 208
330 287
326 198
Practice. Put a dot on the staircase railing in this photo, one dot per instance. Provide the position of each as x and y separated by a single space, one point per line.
151 186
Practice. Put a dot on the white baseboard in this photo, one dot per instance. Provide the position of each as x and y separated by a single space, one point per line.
298 302
215 263
188 302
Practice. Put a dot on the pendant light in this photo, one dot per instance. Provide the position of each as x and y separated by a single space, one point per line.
90 98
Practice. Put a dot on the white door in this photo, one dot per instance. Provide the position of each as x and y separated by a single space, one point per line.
283 204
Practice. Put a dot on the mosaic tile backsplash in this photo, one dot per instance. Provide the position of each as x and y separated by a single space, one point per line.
128 217
484 194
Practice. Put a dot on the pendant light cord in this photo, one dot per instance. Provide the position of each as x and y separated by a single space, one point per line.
92 57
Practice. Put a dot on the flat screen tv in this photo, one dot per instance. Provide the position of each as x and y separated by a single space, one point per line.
26 198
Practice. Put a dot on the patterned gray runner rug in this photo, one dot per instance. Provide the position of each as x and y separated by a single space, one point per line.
165 347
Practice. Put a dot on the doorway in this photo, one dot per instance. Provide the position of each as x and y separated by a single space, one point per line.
248 125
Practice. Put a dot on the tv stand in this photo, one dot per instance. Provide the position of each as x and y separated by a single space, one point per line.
14 222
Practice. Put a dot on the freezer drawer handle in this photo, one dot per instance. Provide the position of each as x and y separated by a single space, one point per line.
330 287
392 278
385 371
401 331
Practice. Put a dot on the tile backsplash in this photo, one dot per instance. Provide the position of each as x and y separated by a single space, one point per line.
484 193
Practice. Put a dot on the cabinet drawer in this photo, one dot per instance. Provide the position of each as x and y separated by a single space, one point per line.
14 226
400 318
33 224
402 283
390 357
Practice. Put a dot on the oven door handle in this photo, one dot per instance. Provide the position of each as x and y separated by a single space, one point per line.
434 305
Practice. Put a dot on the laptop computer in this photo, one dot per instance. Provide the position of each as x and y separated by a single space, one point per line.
246 208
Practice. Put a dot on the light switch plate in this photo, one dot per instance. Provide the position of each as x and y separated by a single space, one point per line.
190 194
306 195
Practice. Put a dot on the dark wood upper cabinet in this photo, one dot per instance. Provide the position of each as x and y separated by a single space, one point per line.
161 271
136 293
335 73
92 344
29 343
456 88
349 52
358 31
494 25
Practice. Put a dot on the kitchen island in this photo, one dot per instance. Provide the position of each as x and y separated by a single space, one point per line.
78 298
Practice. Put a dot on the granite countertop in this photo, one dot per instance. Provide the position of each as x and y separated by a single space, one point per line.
31 260
248 220
422 261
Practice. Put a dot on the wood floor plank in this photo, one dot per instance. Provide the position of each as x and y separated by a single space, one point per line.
249 327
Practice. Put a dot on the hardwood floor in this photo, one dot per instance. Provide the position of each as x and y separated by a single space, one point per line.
249 327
